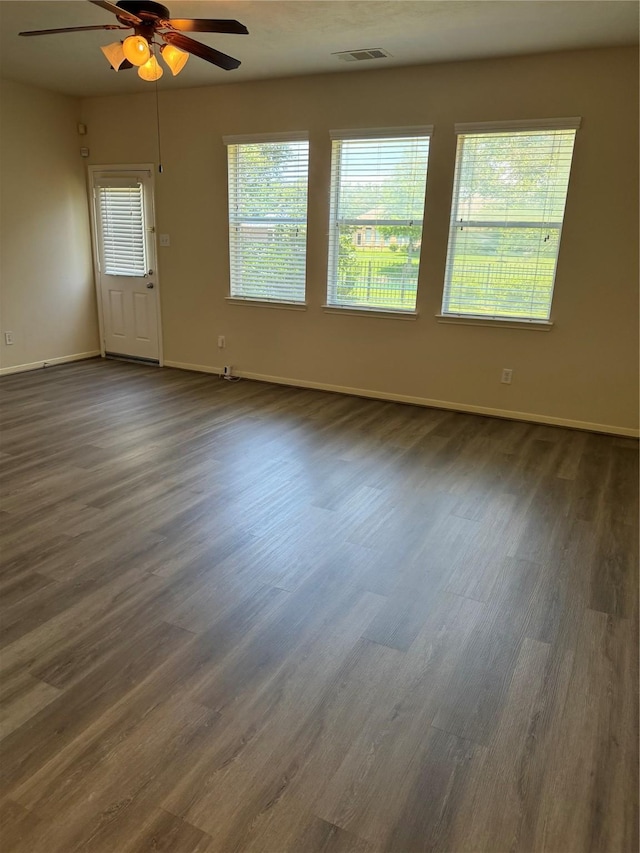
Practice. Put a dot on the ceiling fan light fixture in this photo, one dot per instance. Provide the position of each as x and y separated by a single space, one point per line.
136 50
174 58
151 70
152 24
114 53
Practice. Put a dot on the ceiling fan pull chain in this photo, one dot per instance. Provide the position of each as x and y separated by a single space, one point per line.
158 129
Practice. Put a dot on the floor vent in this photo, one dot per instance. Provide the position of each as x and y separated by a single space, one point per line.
360 55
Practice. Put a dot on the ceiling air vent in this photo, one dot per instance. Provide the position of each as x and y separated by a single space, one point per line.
360 55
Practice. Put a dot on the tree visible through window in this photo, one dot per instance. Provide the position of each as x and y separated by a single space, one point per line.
378 184
268 219
506 219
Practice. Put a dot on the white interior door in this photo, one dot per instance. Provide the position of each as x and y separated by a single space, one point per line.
126 262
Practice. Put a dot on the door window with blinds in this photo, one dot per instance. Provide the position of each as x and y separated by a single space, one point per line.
506 219
120 208
378 185
268 179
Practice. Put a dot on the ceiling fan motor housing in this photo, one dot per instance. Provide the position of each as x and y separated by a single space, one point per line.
145 9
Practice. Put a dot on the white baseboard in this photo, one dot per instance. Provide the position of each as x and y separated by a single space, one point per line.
198 368
49 362
421 401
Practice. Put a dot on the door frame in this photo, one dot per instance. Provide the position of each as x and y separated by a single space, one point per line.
124 167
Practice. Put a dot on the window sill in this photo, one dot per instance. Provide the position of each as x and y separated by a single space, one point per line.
370 312
265 303
530 325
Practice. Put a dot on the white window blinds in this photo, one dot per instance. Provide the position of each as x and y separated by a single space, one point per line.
506 219
378 184
268 219
121 222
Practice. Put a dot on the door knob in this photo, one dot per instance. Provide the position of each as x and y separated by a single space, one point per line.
150 285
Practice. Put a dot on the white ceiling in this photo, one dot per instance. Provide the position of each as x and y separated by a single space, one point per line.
292 38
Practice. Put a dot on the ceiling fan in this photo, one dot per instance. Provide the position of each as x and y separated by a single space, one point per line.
152 22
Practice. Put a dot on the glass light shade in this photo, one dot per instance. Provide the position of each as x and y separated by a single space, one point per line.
114 53
136 50
151 70
175 58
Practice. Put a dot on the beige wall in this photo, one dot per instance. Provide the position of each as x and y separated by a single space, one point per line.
47 296
583 371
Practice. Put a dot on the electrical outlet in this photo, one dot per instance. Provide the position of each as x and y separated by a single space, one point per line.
8 338
165 240
507 373
227 370
221 342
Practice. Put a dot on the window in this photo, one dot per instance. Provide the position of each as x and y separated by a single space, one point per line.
506 218
378 184
120 209
268 217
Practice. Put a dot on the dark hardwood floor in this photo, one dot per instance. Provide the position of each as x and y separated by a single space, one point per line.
243 617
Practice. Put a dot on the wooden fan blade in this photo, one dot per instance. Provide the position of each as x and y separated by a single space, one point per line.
111 7
201 50
71 30
206 25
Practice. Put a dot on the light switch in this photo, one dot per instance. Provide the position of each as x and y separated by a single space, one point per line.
165 240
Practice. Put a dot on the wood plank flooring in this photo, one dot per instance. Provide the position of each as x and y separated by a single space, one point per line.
243 617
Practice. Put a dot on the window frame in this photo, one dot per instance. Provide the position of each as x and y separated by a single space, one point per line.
332 305
266 139
502 128
110 222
